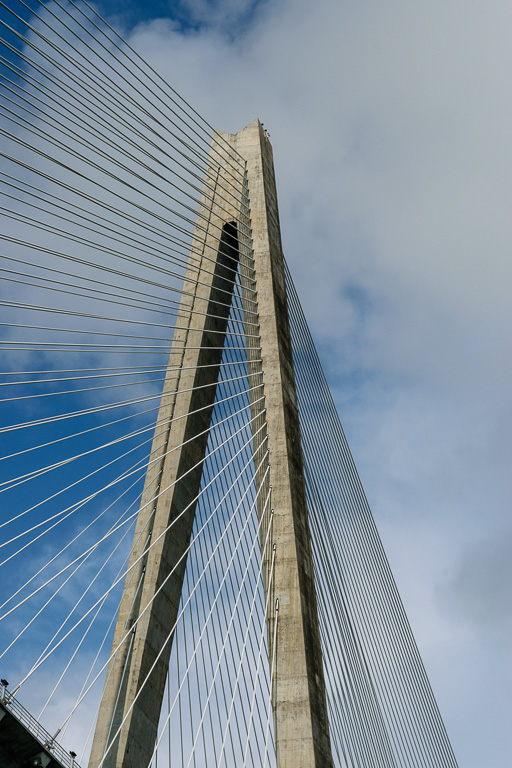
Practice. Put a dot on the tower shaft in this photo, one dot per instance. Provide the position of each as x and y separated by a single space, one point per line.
131 705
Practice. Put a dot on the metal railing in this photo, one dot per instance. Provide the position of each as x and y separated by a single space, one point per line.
45 739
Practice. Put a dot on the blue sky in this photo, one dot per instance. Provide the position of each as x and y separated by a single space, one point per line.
189 16
390 128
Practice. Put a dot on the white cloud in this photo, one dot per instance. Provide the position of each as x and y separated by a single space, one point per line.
390 126
479 589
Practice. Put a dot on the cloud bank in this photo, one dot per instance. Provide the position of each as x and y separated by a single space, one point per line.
390 126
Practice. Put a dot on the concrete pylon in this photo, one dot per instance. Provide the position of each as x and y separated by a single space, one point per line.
300 709
299 701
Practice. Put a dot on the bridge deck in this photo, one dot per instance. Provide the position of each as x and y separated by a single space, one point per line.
24 742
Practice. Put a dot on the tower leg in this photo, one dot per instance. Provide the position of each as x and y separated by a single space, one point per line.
300 709
299 700
130 704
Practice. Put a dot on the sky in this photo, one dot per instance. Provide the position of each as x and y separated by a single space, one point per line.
390 125
391 135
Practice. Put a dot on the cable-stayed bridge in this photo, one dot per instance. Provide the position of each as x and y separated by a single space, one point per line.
191 575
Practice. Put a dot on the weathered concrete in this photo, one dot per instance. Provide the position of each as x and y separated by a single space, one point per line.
300 710
173 481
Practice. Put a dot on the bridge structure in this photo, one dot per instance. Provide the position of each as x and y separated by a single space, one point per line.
191 574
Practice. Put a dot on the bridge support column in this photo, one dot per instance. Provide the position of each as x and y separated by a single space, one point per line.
299 700
300 709
153 585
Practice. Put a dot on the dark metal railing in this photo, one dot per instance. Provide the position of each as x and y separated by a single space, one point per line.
45 739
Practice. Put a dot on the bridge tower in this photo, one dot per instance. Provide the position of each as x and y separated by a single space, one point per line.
238 223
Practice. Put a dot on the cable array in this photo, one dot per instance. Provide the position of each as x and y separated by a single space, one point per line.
381 707
116 306
133 431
